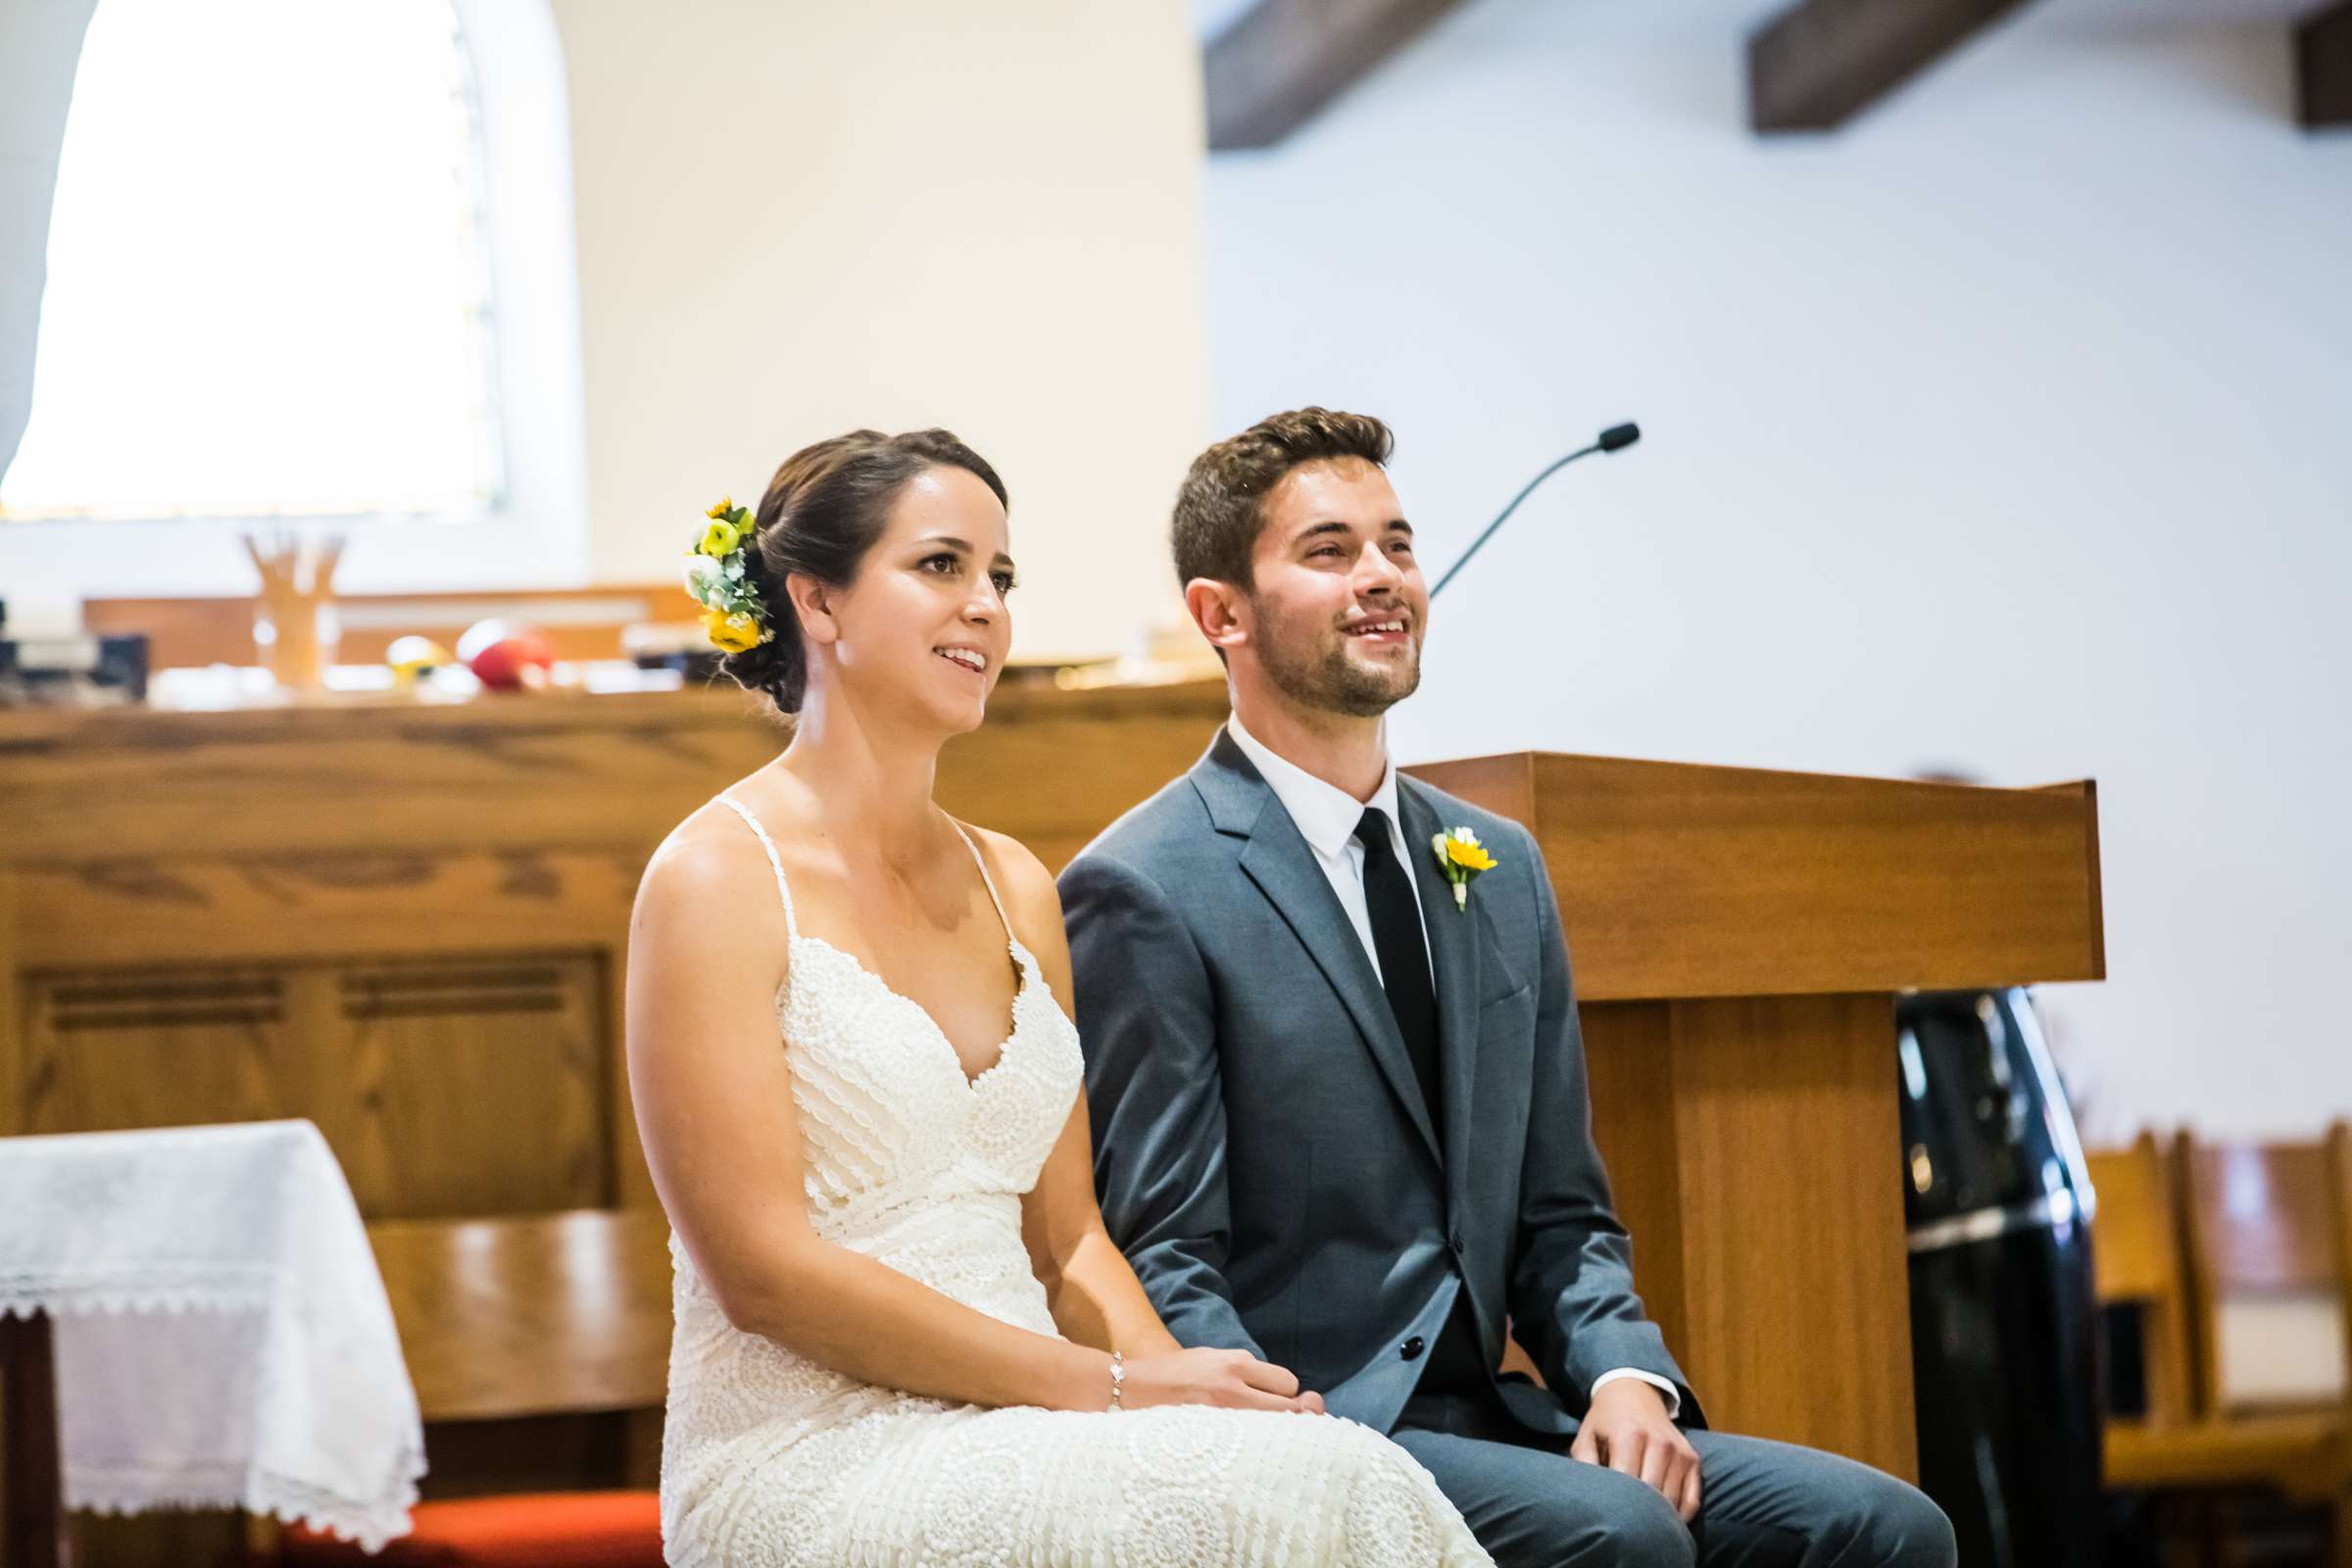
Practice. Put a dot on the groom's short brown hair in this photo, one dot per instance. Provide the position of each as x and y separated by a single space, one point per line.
1218 510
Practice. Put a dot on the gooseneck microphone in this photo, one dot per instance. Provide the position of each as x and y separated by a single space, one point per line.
1616 438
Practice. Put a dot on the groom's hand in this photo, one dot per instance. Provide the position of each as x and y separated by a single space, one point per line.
1629 1431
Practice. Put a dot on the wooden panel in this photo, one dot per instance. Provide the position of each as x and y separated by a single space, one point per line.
1054 776
1754 1153
511 1317
2136 1254
2087 791
2324 67
541 773
2138 1251
162 1048
1816 64
375 778
1677 880
2257 1223
2260 1218
471 1085
207 907
442 1087
1628 1058
1504 783
1796 1296
1282 61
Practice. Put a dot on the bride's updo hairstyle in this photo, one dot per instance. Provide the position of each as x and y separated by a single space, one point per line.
823 511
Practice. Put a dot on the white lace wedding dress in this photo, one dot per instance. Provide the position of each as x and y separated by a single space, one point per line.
770 1459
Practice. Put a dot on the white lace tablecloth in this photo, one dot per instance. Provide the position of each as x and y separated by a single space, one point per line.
221 1335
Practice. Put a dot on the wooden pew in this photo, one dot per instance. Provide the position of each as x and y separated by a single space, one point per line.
2260 1223
2181 1232
509 1318
2137 1256
2263 1221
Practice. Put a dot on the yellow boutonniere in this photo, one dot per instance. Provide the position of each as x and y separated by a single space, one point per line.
1461 858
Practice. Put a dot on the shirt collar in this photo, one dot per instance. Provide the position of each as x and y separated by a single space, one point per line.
1325 813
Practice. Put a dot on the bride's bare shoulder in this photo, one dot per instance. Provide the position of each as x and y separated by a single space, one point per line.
1022 880
710 863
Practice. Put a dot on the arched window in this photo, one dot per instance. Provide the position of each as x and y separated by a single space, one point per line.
267 293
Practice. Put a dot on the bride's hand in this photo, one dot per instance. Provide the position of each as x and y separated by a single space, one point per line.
1232 1379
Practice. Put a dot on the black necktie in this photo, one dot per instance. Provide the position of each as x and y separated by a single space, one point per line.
1403 952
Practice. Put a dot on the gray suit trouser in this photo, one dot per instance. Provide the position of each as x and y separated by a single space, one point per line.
1760 1503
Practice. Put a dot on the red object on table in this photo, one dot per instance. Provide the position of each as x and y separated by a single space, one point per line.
505 656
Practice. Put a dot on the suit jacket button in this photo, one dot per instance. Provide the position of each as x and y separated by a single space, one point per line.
1411 1349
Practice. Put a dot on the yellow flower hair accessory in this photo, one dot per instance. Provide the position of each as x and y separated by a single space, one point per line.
717 579
720 540
732 633
1462 858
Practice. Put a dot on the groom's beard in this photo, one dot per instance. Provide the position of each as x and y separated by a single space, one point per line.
1325 677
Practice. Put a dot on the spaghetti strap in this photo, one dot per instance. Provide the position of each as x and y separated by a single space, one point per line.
987 881
783 891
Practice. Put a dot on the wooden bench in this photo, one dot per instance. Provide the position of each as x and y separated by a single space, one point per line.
516 1318
2182 1234
2136 1237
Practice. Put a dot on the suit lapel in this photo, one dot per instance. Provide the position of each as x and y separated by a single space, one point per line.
1277 859
1454 954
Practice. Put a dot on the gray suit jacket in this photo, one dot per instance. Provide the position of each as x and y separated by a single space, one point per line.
1263 1148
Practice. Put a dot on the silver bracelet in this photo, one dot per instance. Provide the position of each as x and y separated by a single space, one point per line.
1118 1379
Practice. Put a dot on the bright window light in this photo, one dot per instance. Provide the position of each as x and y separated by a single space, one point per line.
266 295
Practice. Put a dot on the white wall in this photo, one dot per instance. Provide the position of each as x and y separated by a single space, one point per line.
801 219
2009 430
536 537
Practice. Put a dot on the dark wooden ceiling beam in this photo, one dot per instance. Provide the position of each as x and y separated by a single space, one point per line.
2324 67
1276 68
1819 63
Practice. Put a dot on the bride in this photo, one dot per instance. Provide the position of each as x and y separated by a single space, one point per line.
903 1335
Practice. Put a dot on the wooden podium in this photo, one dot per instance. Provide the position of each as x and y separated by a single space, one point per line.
1737 939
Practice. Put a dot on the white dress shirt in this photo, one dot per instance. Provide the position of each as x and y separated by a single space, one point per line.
1326 817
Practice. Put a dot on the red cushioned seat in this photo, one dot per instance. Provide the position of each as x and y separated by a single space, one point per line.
539 1530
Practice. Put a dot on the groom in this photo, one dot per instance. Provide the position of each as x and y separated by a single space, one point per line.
1341 1122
